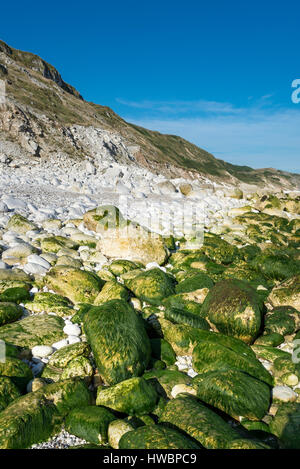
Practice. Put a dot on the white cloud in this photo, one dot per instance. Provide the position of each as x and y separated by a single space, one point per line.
259 136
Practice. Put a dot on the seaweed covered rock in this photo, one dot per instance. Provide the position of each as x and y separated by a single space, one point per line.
33 330
234 392
198 421
234 308
189 302
134 396
38 415
14 278
219 250
116 430
286 425
287 293
50 303
9 312
15 295
112 290
90 423
118 340
55 243
284 320
244 443
20 224
195 282
151 286
8 392
156 437
78 367
180 316
80 286
121 266
212 356
165 380
162 350
18 371
276 266
64 355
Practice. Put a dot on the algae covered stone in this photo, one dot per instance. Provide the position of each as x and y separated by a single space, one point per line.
287 293
14 278
162 350
134 396
121 266
8 392
234 308
20 224
38 415
80 286
118 340
156 437
15 295
55 243
9 312
63 356
165 380
112 290
79 366
211 356
198 421
33 330
50 303
18 371
151 286
286 425
234 392
90 423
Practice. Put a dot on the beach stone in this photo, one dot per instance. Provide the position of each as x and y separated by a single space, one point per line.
42 351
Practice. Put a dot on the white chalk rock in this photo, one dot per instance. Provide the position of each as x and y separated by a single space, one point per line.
72 329
41 351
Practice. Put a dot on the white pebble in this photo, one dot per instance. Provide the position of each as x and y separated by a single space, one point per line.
73 339
41 351
72 329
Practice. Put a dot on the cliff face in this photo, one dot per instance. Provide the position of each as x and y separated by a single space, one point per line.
43 115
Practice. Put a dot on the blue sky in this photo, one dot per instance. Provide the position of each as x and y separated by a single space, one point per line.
217 73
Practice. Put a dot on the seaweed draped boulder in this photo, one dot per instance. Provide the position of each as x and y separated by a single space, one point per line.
90 423
151 286
234 392
49 303
198 421
287 293
38 415
14 278
219 352
124 239
9 312
8 392
286 425
156 437
80 286
234 308
20 224
33 330
134 396
118 340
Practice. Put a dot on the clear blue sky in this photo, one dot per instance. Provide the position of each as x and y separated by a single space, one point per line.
218 73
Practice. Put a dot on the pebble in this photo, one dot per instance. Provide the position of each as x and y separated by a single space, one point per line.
73 339
284 394
41 351
72 329
58 345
